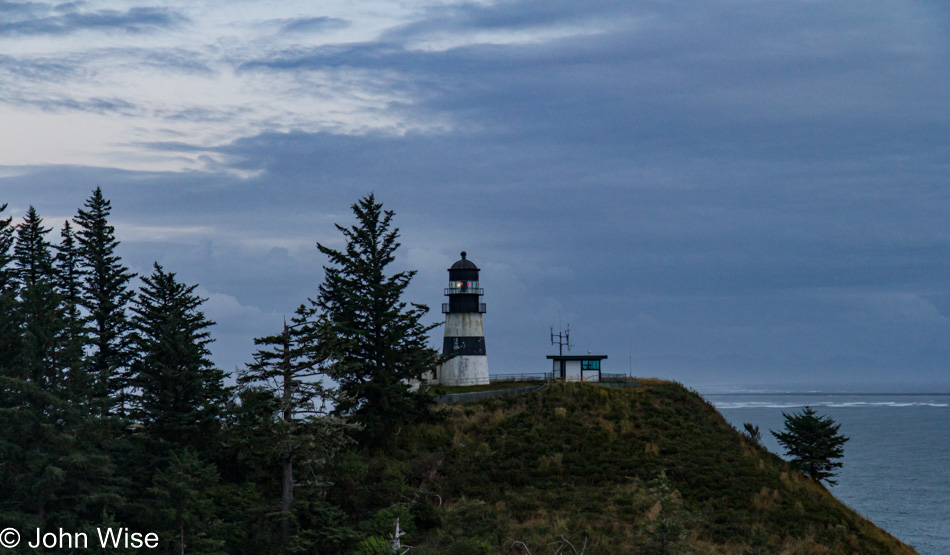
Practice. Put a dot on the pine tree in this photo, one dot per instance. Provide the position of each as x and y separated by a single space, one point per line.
812 442
290 367
181 393
376 343
106 295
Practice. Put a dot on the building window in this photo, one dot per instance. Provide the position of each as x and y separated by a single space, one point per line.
590 365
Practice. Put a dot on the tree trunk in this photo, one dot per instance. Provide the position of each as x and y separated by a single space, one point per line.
288 493
287 497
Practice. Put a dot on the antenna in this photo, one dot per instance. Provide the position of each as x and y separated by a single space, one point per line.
563 339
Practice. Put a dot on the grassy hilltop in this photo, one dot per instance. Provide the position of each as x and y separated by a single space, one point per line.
650 469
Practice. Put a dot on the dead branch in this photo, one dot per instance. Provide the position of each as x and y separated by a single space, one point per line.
522 544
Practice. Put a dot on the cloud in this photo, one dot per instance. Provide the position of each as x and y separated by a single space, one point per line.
310 24
235 329
94 105
672 81
729 191
37 69
46 19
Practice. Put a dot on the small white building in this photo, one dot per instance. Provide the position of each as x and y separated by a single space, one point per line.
577 368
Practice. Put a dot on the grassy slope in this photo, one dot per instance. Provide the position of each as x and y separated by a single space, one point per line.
444 389
581 462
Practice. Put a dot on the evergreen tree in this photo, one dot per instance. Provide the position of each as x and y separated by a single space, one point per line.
12 452
6 243
92 487
376 343
181 505
290 366
181 394
33 438
9 327
812 442
54 472
39 306
105 295
68 285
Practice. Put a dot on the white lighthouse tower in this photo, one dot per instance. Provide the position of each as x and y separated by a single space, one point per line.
464 334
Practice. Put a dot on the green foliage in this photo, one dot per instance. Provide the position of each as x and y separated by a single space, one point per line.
291 365
33 407
106 295
39 306
375 342
469 546
181 505
68 280
753 432
289 371
813 442
581 461
374 545
181 394
669 526
207 470
9 324
54 470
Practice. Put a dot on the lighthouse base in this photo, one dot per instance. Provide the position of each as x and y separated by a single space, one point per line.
464 370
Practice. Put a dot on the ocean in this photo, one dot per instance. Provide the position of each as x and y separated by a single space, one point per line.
896 465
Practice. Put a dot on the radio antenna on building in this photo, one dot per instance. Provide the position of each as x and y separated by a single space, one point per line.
563 339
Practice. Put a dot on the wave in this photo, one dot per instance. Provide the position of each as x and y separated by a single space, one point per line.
725 405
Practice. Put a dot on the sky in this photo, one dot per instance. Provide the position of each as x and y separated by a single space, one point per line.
724 193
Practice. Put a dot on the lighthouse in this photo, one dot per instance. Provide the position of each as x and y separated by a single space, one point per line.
464 334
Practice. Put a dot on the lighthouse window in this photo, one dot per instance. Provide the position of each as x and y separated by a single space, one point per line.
590 365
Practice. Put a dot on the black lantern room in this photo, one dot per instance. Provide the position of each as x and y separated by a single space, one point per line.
463 290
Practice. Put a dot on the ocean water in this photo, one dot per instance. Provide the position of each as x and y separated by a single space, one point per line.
896 465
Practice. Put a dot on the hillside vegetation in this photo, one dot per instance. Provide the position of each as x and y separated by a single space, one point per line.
647 469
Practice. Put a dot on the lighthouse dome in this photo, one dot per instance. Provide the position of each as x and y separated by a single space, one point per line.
464 264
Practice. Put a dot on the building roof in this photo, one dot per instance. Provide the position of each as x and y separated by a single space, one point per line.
464 264
577 357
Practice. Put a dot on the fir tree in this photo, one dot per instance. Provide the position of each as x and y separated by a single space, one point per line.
6 243
377 344
290 367
91 487
9 327
181 505
68 285
12 417
39 306
813 442
33 438
181 393
105 295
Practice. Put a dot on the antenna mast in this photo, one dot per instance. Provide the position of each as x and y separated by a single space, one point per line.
563 339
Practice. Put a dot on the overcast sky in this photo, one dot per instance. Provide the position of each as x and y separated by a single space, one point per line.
719 192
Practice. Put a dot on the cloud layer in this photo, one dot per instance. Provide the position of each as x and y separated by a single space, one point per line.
727 192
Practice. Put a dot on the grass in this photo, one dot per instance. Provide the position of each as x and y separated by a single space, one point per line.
651 469
447 389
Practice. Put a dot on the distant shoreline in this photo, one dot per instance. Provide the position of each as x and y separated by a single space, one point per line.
824 394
